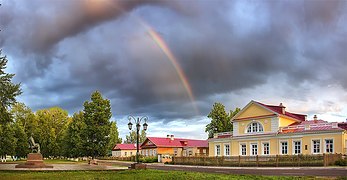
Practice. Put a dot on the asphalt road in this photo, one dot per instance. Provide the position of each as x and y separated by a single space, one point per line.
280 171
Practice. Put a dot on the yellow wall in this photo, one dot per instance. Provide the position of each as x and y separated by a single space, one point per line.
275 140
285 121
254 110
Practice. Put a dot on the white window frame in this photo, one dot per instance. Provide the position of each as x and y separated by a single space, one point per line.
243 144
325 145
262 147
281 147
312 146
255 127
217 150
293 144
251 152
225 149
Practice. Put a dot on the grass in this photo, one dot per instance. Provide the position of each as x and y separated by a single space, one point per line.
130 174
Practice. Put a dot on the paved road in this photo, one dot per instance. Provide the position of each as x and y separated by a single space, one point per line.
280 171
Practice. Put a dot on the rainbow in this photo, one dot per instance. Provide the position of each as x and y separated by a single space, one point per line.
170 56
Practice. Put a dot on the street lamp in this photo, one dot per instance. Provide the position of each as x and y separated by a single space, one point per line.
137 121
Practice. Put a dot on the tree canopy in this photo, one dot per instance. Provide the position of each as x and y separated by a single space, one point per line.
131 138
220 119
97 115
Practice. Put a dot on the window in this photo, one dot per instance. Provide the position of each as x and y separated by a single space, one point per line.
175 151
146 152
217 150
254 149
284 147
190 152
297 147
316 146
150 152
154 152
254 127
204 151
226 150
243 149
329 146
131 153
266 148
125 153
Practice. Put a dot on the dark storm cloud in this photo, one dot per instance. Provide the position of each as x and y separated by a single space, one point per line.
72 48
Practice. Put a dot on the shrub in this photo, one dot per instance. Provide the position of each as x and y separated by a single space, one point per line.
148 159
341 162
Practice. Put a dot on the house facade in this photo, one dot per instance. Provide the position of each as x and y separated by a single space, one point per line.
124 150
260 129
171 146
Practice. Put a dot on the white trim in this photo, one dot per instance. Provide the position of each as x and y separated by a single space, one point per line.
235 128
240 148
262 148
250 123
325 145
275 124
280 146
251 148
320 145
224 153
215 150
293 146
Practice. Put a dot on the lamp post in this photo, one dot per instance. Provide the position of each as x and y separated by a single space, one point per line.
137 122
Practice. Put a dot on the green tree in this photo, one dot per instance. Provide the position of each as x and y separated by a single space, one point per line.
8 91
220 120
114 136
24 117
97 115
22 146
52 123
131 138
73 141
7 140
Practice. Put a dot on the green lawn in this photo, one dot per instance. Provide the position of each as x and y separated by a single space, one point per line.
130 174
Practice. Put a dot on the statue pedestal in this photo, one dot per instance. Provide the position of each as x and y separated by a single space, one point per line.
35 160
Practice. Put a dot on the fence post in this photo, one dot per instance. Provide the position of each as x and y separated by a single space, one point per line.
239 161
276 160
324 159
257 158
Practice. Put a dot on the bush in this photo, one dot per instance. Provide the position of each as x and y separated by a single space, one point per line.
148 159
341 162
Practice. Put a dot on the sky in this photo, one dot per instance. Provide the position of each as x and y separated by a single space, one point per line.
171 60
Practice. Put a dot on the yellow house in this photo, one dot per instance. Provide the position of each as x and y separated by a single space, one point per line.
260 129
124 150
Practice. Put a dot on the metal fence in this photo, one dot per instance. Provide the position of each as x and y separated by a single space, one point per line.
261 161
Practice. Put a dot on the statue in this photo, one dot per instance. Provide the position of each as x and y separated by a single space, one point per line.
35 147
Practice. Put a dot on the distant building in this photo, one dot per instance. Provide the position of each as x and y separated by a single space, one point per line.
260 129
170 146
124 150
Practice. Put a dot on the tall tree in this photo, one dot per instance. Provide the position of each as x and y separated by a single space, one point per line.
97 115
52 123
114 136
220 120
7 140
24 117
8 91
131 138
21 149
73 144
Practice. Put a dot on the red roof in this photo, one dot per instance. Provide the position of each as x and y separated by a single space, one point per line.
278 110
176 142
311 126
125 147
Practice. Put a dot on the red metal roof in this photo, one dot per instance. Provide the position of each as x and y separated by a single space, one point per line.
311 126
176 142
278 110
125 147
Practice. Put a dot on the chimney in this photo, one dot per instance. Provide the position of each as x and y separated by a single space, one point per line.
167 136
315 118
283 108
172 137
